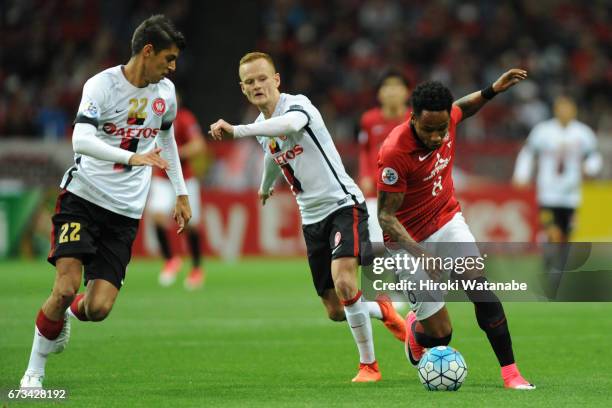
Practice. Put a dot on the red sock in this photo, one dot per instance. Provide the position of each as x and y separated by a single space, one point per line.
74 308
351 301
47 327
509 371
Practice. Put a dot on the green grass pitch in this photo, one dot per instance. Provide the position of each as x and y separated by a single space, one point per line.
257 336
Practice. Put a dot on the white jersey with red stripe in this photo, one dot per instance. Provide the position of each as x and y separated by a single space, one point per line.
126 117
310 162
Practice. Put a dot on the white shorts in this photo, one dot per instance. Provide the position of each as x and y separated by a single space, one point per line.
440 244
163 197
376 233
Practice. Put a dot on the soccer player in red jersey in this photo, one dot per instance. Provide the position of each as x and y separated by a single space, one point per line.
376 124
191 144
417 208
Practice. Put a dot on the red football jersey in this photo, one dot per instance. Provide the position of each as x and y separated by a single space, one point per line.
374 129
405 165
186 128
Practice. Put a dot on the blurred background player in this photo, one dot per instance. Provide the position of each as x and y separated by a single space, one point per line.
191 145
393 95
565 149
297 143
418 210
103 195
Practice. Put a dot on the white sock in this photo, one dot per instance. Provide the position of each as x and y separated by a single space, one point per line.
374 309
41 347
69 311
358 319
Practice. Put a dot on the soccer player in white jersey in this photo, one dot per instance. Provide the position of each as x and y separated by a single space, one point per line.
124 111
565 149
297 143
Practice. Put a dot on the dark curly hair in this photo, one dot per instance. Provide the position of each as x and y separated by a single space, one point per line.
431 96
158 31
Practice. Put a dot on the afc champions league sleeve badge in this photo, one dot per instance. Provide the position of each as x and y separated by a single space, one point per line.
389 176
159 106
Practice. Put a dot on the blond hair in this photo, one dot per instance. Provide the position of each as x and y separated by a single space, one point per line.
252 56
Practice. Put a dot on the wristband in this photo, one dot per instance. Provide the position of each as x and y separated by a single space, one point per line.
488 92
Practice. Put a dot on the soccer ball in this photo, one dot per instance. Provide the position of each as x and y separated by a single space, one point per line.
442 368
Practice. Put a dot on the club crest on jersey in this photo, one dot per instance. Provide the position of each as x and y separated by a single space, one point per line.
389 176
337 238
159 106
273 146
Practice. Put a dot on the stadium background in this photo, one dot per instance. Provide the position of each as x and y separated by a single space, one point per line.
332 51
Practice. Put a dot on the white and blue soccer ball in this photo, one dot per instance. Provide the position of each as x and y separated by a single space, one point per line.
442 368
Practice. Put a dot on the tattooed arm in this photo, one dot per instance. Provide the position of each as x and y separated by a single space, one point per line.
470 104
388 203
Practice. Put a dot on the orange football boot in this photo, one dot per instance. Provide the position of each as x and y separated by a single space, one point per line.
391 319
368 373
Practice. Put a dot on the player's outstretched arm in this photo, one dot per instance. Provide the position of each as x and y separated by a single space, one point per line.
290 122
470 104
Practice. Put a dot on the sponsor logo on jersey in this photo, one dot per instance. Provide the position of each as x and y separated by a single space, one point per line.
109 128
112 129
389 176
159 106
283 157
440 165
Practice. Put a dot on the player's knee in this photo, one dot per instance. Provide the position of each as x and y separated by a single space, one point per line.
346 287
64 294
97 312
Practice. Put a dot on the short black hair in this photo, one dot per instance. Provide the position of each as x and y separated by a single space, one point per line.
158 31
391 73
431 96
